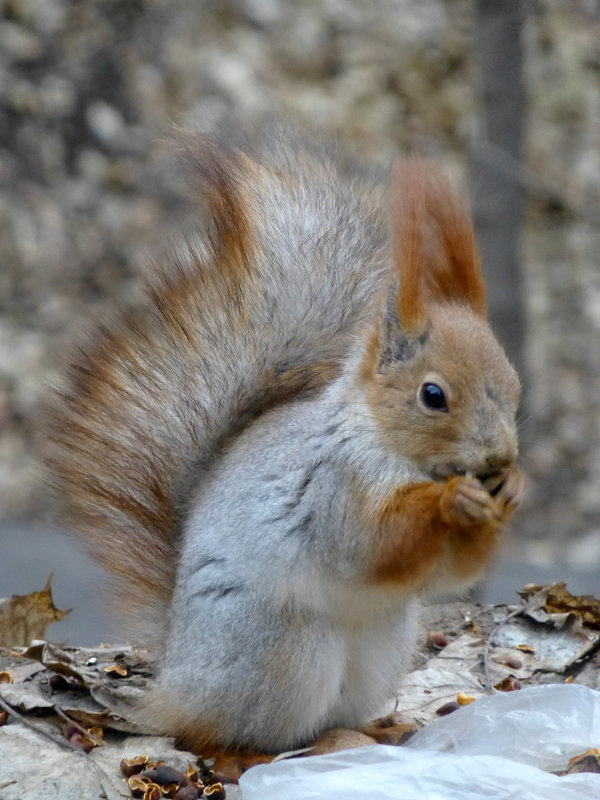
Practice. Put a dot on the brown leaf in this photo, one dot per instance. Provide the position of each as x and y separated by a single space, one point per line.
340 739
26 617
230 766
391 729
586 607
97 732
55 658
586 762
558 600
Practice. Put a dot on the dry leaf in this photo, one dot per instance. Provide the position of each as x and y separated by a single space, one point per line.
560 603
339 739
453 670
231 765
35 687
391 729
585 762
541 642
26 617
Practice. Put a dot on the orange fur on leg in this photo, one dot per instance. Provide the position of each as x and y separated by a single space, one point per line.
451 525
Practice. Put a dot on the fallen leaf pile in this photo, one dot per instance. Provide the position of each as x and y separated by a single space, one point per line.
82 682
85 697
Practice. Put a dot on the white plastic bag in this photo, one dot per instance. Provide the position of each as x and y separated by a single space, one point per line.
497 748
543 726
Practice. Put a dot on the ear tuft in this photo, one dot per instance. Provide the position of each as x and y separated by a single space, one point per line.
433 246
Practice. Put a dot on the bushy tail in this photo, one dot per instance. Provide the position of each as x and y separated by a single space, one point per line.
259 310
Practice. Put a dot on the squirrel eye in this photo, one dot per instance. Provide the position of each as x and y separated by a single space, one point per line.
433 397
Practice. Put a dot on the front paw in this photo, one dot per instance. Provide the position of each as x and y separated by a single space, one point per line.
467 503
507 487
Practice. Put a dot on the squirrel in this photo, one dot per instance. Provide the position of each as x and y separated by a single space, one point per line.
308 428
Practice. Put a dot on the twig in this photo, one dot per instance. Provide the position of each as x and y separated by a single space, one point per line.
36 728
103 775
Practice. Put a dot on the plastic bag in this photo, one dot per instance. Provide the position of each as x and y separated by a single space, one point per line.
543 726
496 748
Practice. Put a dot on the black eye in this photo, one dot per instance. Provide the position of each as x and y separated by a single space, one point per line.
433 397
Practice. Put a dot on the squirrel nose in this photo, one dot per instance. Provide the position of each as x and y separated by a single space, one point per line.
502 448
502 458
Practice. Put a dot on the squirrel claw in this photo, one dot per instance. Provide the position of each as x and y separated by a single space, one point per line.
468 502
511 492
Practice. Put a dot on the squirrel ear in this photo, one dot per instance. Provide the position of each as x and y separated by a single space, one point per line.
433 247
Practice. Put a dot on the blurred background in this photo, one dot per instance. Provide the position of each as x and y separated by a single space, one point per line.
505 96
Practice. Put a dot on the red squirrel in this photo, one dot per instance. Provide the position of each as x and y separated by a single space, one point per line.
309 427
